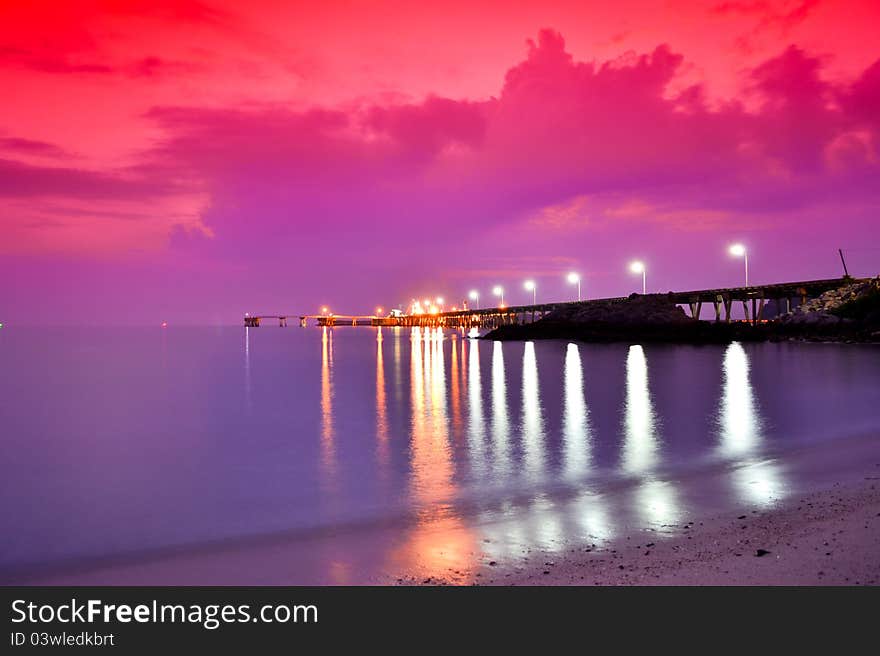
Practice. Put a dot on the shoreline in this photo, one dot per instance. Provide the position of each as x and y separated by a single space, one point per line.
837 501
826 537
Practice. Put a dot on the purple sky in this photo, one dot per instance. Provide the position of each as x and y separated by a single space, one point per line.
235 167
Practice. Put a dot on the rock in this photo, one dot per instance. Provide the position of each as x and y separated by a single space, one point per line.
761 552
636 310
492 563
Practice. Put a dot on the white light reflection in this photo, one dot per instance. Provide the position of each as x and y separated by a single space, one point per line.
739 421
756 481
500 421
592 513
532 423
640 445
657 503
575 419
476 428
759 482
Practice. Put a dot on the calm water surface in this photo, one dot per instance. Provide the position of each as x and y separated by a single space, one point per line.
365 452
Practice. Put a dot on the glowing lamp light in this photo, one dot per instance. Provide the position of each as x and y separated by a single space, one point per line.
378 311
531 287
164 324
639 267
474 295
498 290
323 310
738 250
575 279
439 300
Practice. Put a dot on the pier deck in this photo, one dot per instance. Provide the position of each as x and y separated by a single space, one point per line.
754 300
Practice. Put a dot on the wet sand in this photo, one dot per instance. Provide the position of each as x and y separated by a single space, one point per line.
828 537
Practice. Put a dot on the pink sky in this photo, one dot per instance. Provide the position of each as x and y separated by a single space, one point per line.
190 161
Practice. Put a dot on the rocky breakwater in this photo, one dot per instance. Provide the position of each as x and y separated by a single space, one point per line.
851 312
644 318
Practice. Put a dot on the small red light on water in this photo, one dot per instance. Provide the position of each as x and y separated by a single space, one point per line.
164 324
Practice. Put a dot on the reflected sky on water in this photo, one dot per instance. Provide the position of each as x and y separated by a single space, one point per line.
436 449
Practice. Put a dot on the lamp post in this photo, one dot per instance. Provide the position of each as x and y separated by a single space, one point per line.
498 290
475 297
575 279
531 287
639 267
738 250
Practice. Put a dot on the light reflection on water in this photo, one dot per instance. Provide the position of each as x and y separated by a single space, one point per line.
468 450
576 422
640 433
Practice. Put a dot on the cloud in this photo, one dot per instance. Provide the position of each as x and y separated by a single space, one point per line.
64 209
779 15
568 148
32 147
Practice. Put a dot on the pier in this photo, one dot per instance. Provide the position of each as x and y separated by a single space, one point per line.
755 300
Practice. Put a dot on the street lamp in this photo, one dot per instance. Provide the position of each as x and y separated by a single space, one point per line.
324 310
531 287
498 290
639 267
475 297
575 279
738 250
378 312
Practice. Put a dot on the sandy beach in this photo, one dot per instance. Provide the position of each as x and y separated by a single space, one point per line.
828 537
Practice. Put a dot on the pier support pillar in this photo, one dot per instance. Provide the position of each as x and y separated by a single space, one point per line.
746 309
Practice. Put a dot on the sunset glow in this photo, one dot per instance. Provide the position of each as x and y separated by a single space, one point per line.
186 159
